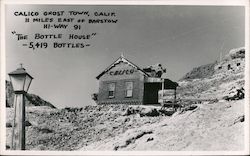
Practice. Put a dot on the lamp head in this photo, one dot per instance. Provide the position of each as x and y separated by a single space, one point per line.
20 80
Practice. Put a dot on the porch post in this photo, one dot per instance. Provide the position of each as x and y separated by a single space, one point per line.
162 89
175 96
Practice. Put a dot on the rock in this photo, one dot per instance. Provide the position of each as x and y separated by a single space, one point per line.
150 139
149 112
228 106
190 107
213 101
44 130
225 98
240 94
167 112
127 120
129 111
236 53
27 123
239 119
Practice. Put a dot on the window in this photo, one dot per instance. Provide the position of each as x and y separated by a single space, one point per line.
129 89
111 91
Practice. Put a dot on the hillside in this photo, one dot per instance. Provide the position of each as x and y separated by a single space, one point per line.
73 128
200 72
212 118
227 77
111 128
233 61
30 100
215 126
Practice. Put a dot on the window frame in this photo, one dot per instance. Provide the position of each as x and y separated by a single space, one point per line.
109 90
126 90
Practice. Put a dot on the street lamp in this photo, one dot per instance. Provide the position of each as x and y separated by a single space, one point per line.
20 81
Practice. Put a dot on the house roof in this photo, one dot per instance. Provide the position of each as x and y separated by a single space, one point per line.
168 84
122 59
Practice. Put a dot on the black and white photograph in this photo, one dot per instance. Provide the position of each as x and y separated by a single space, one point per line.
124 78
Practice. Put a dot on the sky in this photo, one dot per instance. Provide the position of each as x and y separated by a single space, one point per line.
178 37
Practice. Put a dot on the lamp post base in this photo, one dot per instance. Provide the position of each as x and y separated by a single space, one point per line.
18 126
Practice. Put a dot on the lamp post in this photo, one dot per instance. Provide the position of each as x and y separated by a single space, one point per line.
20 81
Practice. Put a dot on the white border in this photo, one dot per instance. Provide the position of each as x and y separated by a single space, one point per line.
133 2
247 72
2 82
124 2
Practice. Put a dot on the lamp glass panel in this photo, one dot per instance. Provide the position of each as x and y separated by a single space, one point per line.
17 82
27 83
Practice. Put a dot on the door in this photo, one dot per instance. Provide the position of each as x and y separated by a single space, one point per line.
151 93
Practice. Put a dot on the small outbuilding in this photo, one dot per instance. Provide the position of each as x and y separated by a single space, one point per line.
123 82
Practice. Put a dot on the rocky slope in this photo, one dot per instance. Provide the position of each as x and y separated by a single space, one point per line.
233 61
219 80
214 126
30 100
73 128
200 72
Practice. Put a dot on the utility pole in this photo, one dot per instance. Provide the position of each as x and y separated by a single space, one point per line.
220 57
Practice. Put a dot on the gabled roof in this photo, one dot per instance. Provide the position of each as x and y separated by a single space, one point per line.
122 59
